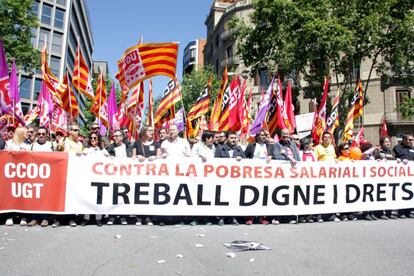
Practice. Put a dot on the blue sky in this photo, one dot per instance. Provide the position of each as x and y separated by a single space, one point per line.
118 25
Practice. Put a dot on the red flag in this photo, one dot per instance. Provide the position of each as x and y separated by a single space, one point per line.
383 129
319 121
281 124
357 141
5 101
289 109
135 108
332 122
234 123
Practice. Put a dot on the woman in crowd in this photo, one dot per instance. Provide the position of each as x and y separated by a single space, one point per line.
95 146
17 144
146 148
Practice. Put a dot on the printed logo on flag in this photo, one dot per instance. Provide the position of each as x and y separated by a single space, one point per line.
134 70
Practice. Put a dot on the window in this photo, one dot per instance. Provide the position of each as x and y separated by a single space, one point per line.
61 2
46 15
400 95
35 9
25 87
57 43
59 18
229 52
217 41
25 107
55 65
33 39
264 79
44 35
37 88
70 59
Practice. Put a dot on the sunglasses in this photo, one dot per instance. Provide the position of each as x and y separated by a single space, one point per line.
77 130
41 134
94 128
94 138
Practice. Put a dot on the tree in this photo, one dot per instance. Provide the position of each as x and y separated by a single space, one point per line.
306 40
194 82
16 24
406 108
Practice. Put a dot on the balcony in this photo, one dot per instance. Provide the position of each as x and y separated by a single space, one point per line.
226 35
232 61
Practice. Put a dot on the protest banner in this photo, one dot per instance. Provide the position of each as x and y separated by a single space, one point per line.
96 184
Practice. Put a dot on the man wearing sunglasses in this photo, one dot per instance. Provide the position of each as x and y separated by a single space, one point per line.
41 143
72 143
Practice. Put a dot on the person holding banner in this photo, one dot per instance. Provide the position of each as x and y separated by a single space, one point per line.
175 146
286 150
205 149
94 147
145 148
230 150
405 150
71 143
260 149
118 149
2 143
41 144
17 144
325 151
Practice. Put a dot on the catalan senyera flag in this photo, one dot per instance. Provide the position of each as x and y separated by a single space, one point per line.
202 104
135 108
199 109
32 115
349 125
100 96
332 122
69 102
80 78
358 101
246 118
150 116
52 83
217 107
145 61
319 121
166 109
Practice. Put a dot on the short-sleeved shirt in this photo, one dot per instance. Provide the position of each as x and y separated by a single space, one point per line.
146 149
325 153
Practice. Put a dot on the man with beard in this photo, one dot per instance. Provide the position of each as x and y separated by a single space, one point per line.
230 150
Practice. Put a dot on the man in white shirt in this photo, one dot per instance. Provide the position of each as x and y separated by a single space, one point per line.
174 145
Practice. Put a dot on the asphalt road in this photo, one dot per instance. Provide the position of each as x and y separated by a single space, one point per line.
334 248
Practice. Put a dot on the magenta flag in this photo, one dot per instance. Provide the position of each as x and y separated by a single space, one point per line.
112 109
5 103
261 114
14 93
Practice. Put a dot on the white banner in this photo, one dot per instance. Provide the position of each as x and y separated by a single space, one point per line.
225 187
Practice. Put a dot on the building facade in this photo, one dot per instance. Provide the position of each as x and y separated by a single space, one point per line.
383 98
62 24
193 55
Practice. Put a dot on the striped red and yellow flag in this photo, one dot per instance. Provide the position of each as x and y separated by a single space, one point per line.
80 77
150 117
51 81
69 102
145 61
202 104
358 101
217 107
172 95
349 125
100 96
135 108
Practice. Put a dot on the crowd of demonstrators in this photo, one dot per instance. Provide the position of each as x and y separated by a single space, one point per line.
167 143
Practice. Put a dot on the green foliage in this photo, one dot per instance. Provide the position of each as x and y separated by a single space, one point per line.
193 84
406 108
16 23
307 40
